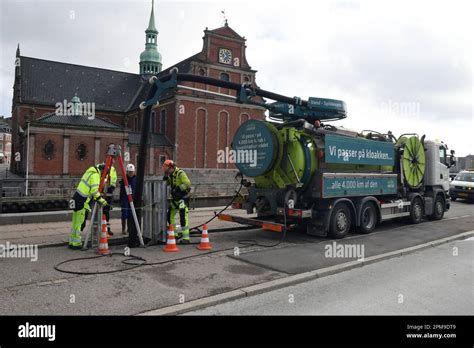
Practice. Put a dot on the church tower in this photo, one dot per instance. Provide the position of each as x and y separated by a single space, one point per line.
150 58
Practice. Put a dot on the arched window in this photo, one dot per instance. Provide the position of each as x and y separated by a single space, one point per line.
81 151
49 150
163 121
244 117
202 72
162 160
225 77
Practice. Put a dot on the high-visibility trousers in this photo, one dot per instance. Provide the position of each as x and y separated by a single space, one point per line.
181 206
78 218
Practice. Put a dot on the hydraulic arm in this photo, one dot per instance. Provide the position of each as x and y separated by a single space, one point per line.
289 108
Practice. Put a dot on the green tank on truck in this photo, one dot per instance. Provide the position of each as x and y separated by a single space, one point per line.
331 179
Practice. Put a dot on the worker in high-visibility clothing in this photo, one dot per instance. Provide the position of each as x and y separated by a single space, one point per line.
126 210
180 185
87 189
111 182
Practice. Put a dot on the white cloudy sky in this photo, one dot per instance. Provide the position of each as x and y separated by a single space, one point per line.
404 66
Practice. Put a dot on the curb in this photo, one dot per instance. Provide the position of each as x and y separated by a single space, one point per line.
295 279
115 241
124 240
65 215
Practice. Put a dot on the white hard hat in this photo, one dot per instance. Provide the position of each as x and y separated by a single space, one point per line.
130 167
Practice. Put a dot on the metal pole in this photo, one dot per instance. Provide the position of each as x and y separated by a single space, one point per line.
91 229
27 156
1 195
138 196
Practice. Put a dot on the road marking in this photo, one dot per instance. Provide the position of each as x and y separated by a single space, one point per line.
452 218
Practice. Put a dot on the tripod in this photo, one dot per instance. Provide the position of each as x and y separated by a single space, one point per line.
113 152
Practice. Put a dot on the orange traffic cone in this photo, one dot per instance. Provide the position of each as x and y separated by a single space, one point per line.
171 241
204 245
103 243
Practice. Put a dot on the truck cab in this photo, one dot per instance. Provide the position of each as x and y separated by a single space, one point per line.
437 165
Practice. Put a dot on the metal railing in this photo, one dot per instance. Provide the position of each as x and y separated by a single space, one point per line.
19 191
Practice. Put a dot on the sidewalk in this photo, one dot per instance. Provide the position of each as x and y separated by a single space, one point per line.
58 232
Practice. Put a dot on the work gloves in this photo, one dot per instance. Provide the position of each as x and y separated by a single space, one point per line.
101 201
177 194
106 207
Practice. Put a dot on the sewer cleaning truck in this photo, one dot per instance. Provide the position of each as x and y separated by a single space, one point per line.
326 179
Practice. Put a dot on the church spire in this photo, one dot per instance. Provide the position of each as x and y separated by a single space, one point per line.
150 58
151 23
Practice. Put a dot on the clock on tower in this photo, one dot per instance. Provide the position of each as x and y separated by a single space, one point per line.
225 56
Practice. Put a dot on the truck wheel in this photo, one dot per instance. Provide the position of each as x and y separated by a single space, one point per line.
438 209
368 218
453 198
416 211
340 221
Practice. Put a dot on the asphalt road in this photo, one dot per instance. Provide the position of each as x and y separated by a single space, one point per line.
32 288
429 282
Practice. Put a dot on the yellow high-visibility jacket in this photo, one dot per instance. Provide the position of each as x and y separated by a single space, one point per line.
88 187
112 178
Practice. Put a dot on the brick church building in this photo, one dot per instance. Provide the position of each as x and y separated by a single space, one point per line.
64 116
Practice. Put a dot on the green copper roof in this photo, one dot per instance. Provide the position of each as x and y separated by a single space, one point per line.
150 55
75 99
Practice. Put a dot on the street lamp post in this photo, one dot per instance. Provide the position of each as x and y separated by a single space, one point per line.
27 156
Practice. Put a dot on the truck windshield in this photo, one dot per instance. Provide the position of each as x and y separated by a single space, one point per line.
465 177
442 154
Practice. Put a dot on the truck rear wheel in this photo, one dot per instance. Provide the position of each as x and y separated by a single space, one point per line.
416 211
340 223
368 218
438 209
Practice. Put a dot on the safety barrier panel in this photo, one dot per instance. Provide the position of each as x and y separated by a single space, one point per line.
155 205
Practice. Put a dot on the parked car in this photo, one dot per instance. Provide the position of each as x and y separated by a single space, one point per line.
462 185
